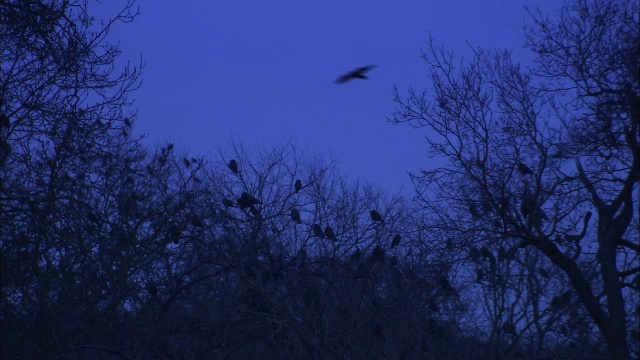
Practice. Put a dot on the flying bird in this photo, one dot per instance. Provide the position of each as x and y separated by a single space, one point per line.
317 231
295 215
396 241
233 166
375 216
358 73
328 232
298 185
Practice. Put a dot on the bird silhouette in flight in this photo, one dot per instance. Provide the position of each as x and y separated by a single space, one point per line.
358 73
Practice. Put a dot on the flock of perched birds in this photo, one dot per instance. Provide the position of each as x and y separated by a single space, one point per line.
247 201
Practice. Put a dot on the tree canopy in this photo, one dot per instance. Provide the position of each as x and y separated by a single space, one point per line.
523 245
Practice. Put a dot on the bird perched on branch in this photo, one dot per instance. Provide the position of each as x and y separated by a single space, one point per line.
317 231
295 215
358 73
298 185
375 216
247 200
328 232
233 166
396 241
524 169
356 254
378 253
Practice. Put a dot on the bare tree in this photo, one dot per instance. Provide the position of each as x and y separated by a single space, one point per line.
70 177
548 157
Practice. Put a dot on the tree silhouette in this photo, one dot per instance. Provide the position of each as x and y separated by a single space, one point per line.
575 118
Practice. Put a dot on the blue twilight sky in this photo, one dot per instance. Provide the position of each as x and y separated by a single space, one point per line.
264 70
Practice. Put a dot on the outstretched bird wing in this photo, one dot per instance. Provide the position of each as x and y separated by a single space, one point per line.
364 69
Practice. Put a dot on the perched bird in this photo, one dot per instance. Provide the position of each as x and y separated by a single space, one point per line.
396 241
317 231
228 203
358 73
378 253
473 210
328 232
254 211
247 200
356 255
479 275
375 216
524 169
302 255
528 203
537 216
298 185
295 215
509 328
474 253
560 301
445 284
233 166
